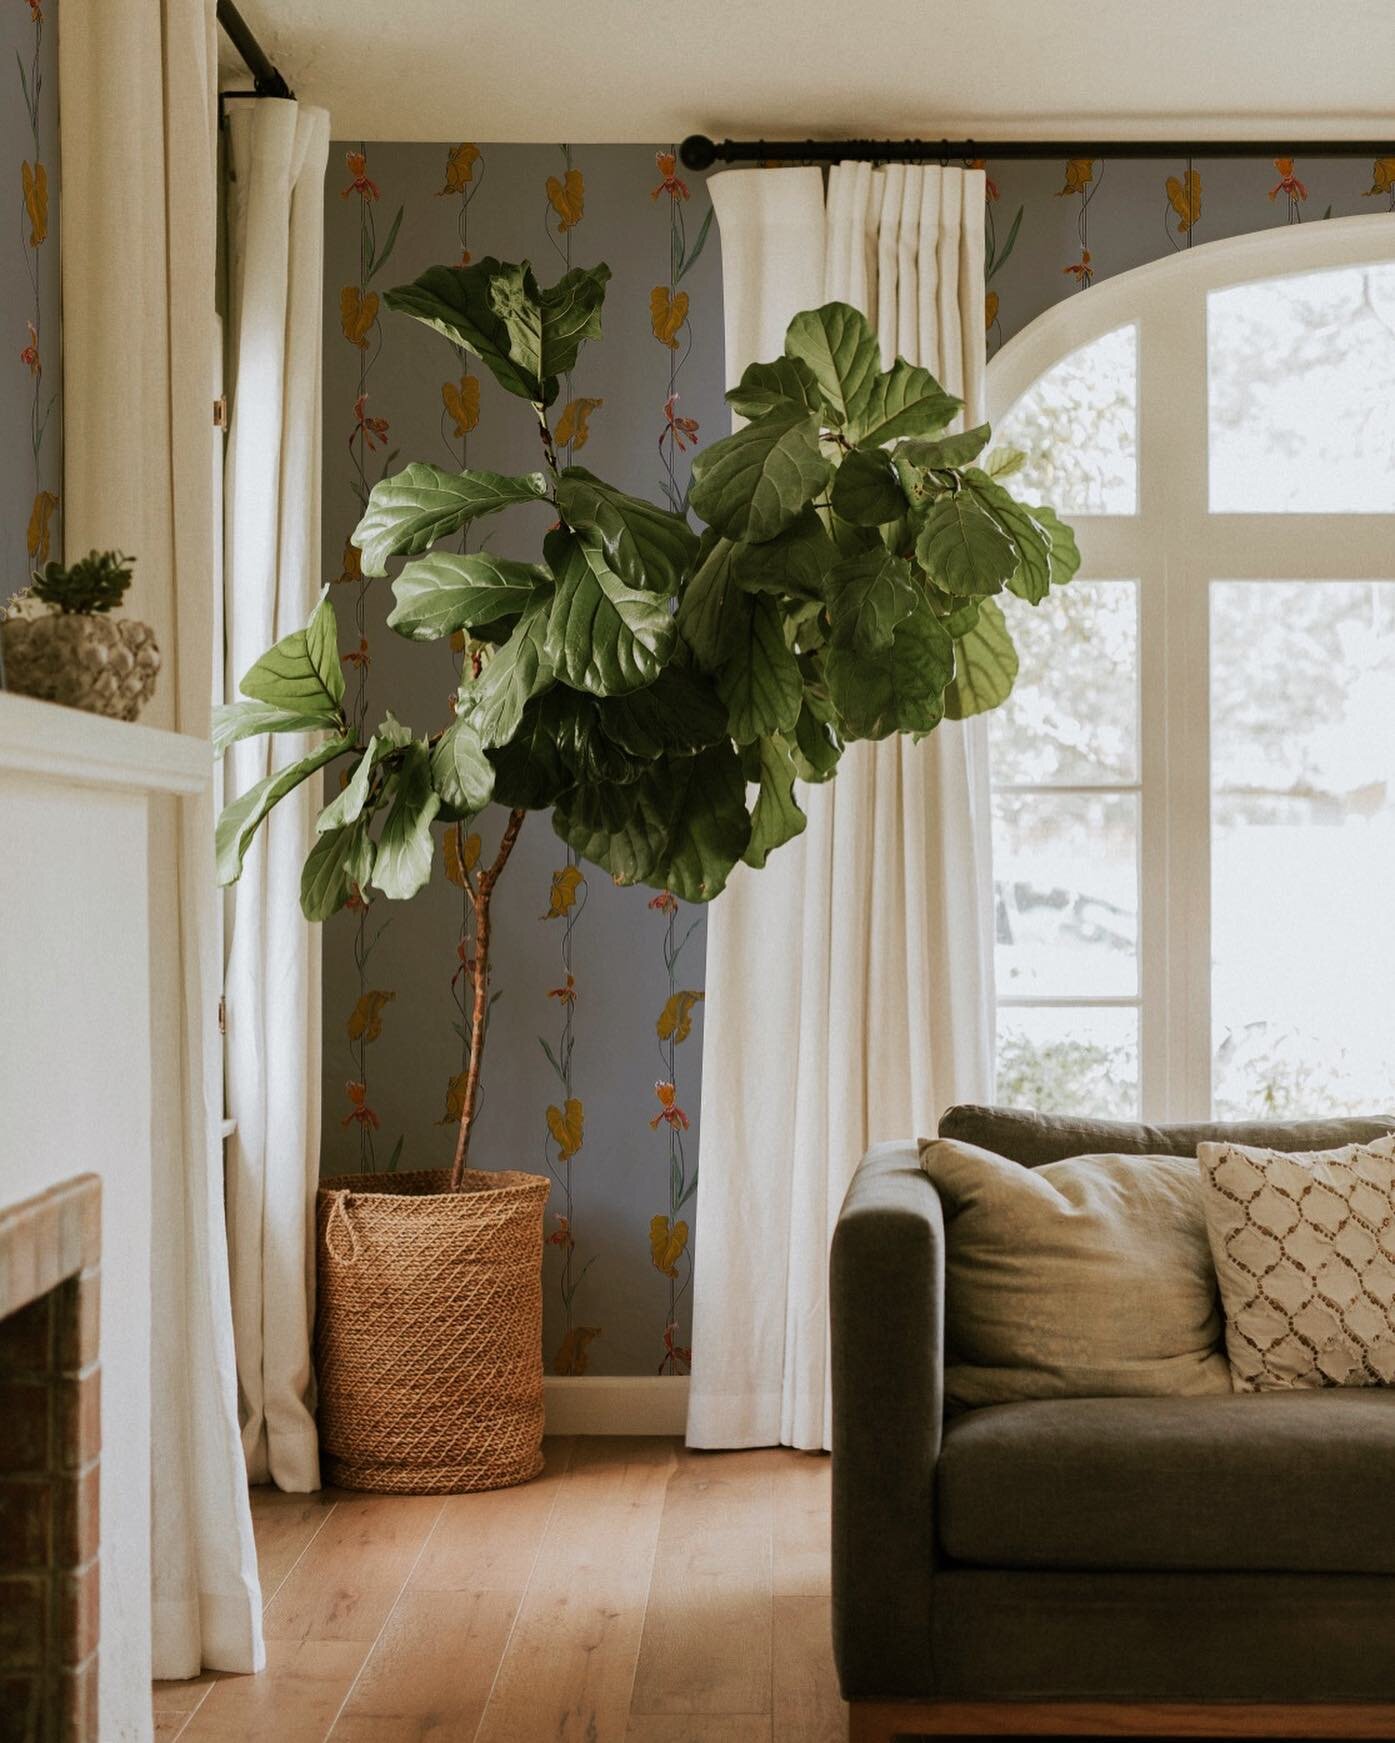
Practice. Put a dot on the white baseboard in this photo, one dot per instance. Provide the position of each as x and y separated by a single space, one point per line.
616 1404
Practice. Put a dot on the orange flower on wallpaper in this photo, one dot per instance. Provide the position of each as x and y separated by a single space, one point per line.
667 312
1288 183
664 903
567 198
1184 196
29 356
1082 272
460 168
1382 177
567 1124
667 1243
565 995
673 1351
40 538
359 1114
462 402
36 12
990 187
566 882
366 1019
359 183
574 425
990 308
358 310
572 1357
461 857
669 182
676 1019
373 430
561 1236
34 180
682 432
359 658
669 1114
352 566
1080 172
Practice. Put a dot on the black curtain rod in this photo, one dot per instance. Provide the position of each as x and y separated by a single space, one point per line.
266 81
698 152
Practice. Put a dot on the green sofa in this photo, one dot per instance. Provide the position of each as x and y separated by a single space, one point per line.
1220 1566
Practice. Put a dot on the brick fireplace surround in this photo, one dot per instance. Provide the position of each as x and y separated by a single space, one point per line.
49 1440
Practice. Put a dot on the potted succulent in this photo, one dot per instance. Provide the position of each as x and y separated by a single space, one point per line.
59 642
660 692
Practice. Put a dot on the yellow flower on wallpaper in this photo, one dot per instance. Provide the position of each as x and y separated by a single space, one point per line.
990 308
462 402
567 1125
667 1242
460 168
566 882
352 567
571 1357
676 1019
1382 176
366 1019
455 1100
667 312
34 178
567 198
1080 172
574 425
461 857
1184 196
41 526
357 312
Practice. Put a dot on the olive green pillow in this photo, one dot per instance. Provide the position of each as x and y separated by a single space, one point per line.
1090 1277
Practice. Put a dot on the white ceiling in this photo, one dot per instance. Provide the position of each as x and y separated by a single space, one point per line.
651 70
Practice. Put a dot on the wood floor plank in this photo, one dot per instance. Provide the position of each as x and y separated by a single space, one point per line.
807 1704
345 1584
489 1541
699 1728
706 1645
182 1696
284 1527
569 1667
294 1700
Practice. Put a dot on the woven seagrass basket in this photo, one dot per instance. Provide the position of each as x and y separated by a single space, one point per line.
428 1331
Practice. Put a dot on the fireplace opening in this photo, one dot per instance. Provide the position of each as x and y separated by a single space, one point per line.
50 1437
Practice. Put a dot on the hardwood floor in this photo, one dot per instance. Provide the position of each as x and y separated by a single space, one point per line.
636 1592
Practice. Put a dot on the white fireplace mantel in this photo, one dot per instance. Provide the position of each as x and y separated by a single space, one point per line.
87 807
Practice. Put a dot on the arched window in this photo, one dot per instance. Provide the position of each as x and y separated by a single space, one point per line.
1194 781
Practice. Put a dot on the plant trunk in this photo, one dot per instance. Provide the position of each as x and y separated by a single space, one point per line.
479 982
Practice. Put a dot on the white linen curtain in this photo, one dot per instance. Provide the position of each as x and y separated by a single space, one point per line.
849 983
277 151
139 328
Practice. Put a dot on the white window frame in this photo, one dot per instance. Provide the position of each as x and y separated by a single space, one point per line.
1174 547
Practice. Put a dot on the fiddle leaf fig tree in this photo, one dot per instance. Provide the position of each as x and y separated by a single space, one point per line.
660 690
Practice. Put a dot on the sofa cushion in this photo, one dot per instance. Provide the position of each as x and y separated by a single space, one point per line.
1084 1278
1293 1482
1032 1138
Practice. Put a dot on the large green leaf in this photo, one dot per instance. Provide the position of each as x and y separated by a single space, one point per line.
963 548
814 750
347 805
460 771
709 608
865 489
784 385
985 665
587 750
601 635
867 597
905 401
647 546
339 862
455 301
754 484
1031 579
679 711
408 512
236 720
301 673
776 817
794 563
514 672
901 690
623 829
405 845
547 327
840 350
949 452
447 591
529 773
240 820
760 680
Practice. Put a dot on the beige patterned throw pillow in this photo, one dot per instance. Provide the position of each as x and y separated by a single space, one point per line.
1305 1253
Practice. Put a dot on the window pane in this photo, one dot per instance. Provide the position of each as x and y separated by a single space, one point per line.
1072 717
1078 427
1303 845
1076 1061
1302 390
1065 870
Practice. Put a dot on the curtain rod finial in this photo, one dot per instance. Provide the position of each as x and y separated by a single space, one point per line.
697 152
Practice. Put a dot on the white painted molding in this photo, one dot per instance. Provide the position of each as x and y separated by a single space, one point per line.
88 750
616 1404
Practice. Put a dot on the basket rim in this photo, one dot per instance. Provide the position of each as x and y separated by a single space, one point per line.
514 1183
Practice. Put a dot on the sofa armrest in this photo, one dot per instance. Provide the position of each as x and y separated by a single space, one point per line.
886 1295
